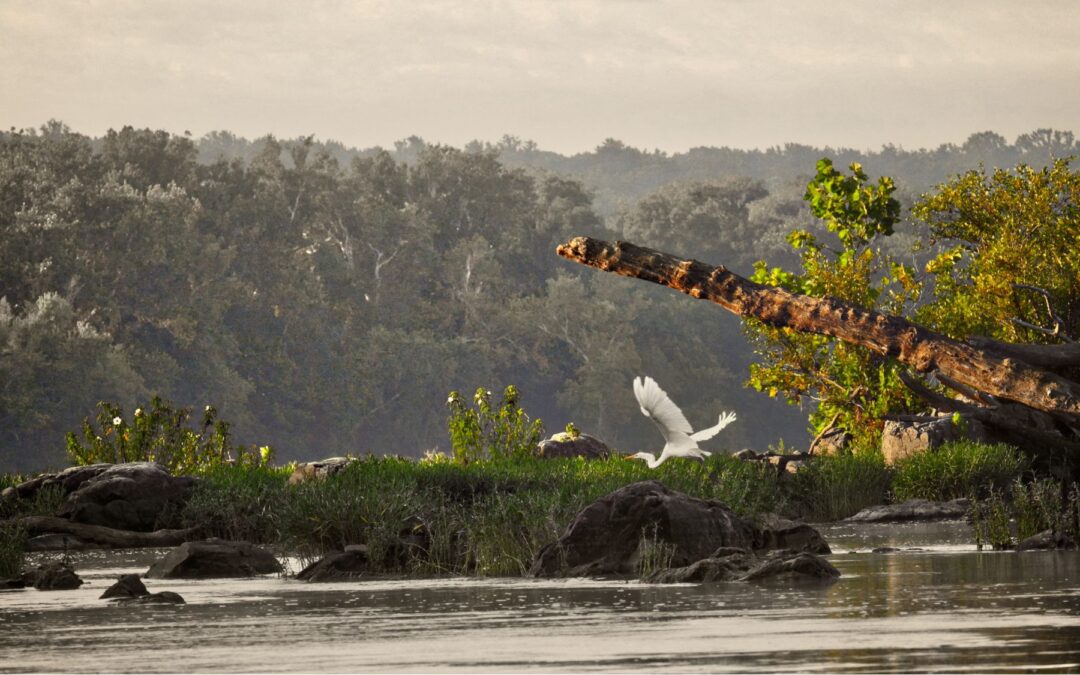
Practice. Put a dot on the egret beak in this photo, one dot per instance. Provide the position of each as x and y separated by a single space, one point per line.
629 457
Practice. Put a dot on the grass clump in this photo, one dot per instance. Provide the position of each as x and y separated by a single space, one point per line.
832 487
957 469
12 550
1006 517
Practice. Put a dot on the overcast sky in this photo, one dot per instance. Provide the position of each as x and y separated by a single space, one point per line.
667 75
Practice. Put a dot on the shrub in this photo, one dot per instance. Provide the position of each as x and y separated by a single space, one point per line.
483 432
159 432
957 469
831 487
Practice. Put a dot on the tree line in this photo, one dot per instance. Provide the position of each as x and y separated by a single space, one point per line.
327 299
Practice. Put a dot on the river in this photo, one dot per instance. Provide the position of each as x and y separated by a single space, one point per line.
944 607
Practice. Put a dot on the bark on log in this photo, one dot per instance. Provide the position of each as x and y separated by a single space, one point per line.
104 536
1002 375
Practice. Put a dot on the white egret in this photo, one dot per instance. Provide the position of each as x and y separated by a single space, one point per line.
680 439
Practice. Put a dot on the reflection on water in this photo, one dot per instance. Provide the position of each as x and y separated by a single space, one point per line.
943 608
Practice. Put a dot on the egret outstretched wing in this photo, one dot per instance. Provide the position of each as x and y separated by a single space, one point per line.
657 406
705 434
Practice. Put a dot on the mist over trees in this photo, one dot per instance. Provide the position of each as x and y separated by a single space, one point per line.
326 299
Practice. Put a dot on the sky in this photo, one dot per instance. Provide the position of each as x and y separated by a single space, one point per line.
567 74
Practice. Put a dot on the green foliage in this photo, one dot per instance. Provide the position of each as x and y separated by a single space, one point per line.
482 432
12 550
159 432
831 487
957 469
852 386
480 518
1007 516
1007 267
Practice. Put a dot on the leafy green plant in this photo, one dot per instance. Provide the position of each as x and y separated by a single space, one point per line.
991 518
12 550
957 469
853 387
484 432
159 432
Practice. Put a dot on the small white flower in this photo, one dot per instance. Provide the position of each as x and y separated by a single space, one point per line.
138 412
116 421
207 409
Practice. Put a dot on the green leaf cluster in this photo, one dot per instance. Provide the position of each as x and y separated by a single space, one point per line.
484 432
160 432
851 386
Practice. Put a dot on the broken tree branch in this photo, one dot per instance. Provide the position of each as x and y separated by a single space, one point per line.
922 349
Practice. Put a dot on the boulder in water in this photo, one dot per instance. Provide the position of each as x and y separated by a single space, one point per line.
214 558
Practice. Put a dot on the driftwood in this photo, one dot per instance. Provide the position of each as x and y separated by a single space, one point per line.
103 536
1015 387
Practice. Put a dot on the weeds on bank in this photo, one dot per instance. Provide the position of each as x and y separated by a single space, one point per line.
12 550
1006 517
832 487
957 469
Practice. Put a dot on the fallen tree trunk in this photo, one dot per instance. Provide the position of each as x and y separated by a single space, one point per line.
101 535
997 370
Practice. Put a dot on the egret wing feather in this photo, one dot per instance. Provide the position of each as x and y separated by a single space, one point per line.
705 434
656 405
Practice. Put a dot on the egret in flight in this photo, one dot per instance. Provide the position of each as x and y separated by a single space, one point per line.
680 439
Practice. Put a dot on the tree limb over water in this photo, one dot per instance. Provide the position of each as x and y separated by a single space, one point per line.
996 369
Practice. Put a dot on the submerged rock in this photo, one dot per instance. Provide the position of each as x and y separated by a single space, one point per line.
723 565
913 510
793 566
214 558
347 565
606 537
162 598
54 576
127 586
1047 540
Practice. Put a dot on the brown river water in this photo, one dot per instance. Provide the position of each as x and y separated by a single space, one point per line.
944 608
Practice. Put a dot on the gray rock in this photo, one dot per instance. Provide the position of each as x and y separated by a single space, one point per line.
902 439
723 565
134 496
162 598
56 542
605 537
1047 540
319 470
795 536
913 510
564 445
54 576
792 566
12 584
347 565
214 558
127 586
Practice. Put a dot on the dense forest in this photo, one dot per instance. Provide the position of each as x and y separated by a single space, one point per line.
326 299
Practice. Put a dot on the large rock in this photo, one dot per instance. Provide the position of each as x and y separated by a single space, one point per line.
214 558
1047 540
126 586
913 510
348 565
319 470
605 537
723 565
792 566
900 439
565 445
135 496
66 481
54 576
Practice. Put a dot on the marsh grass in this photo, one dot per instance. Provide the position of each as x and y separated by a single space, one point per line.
484 518
654 553
1006 517
957 469
12 550
832 487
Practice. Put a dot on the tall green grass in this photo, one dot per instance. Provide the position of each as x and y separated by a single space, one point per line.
957 469
832 487
483 518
